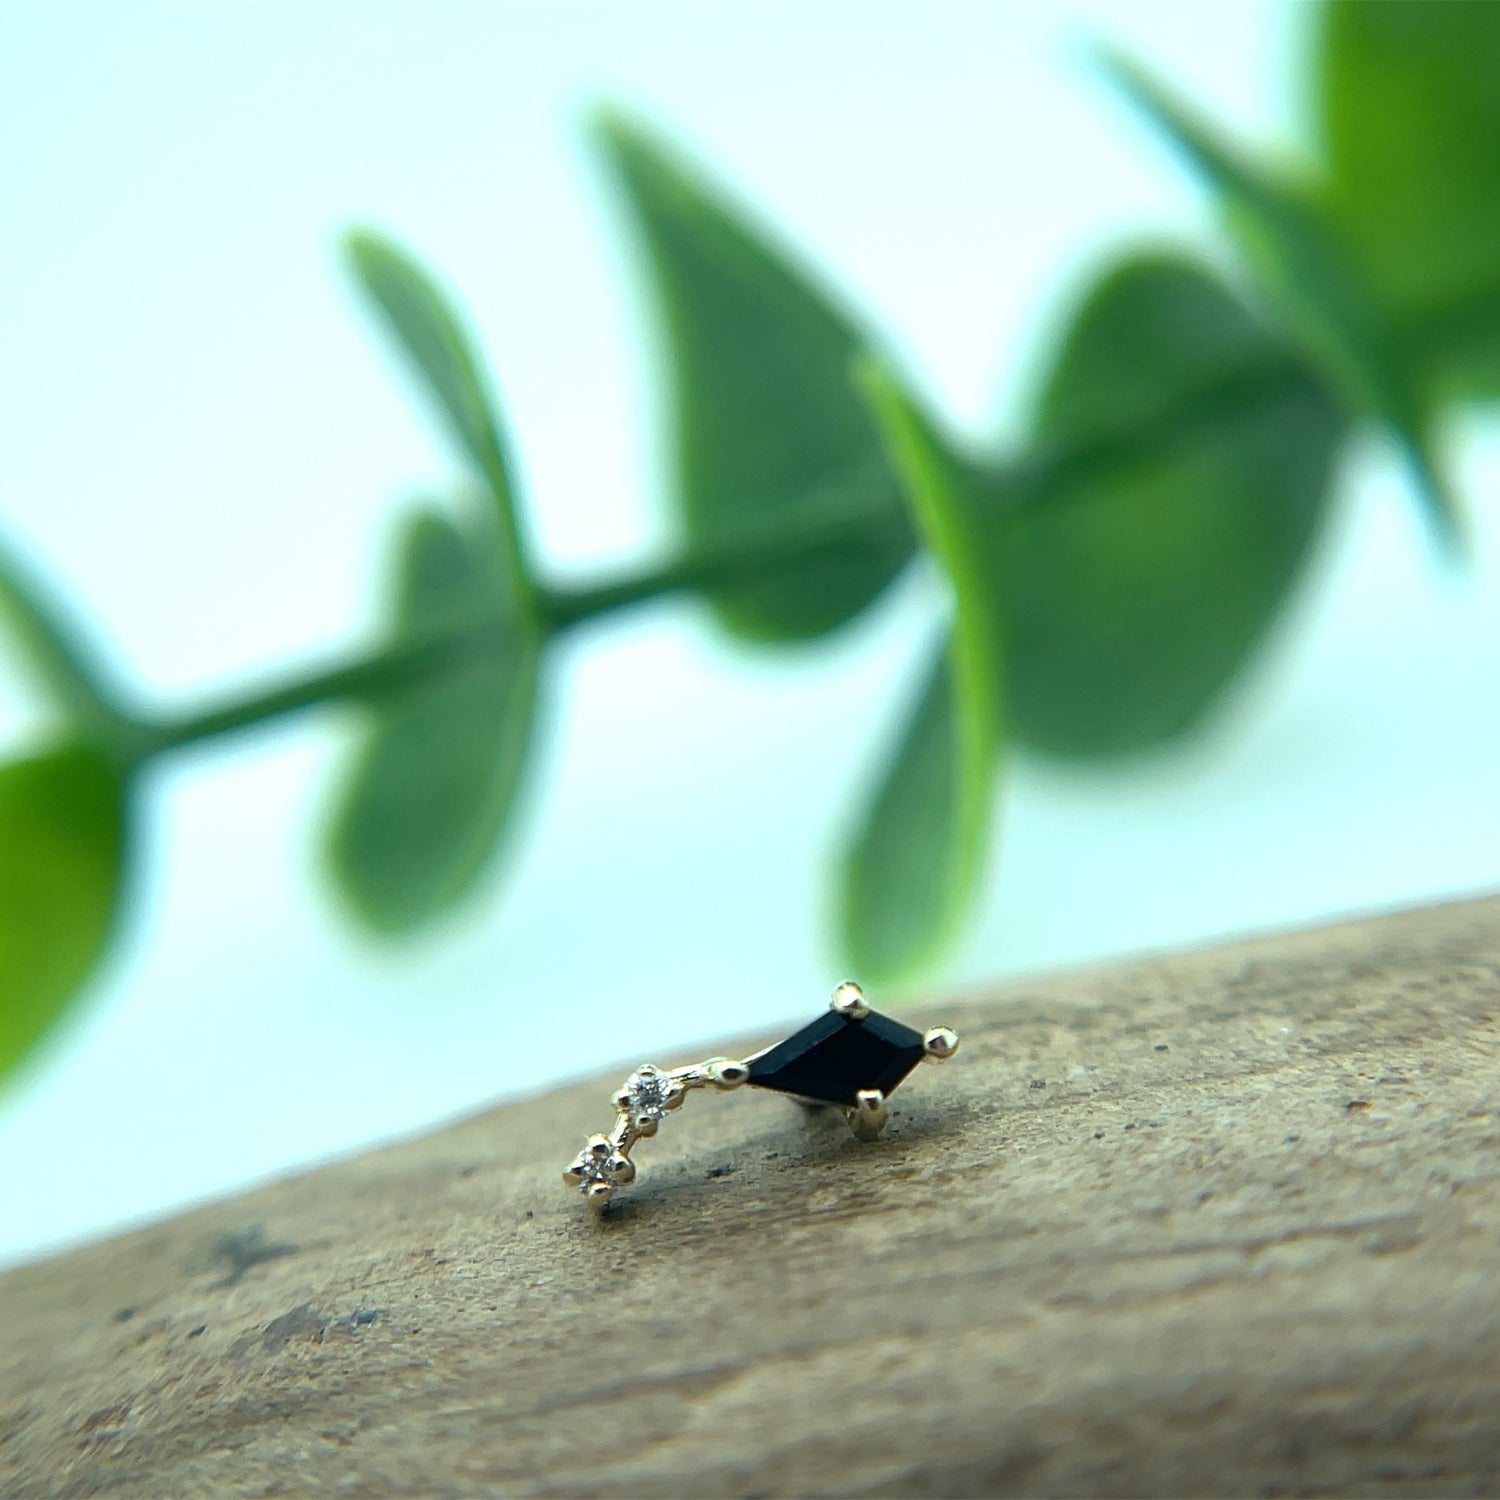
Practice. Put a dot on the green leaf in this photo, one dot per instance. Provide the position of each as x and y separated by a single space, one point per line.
433 338
62 850
769 437
914 864
1134 596
1313 281
433 789
57 656
1410 114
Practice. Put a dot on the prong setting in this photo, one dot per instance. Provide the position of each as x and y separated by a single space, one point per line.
646 1096
940 1042
869 1114
849 1001
726 1072
599 1168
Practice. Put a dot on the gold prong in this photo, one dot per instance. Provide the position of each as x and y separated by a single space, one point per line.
621 1100
598 1194
941 1042
849 1001
725 1072
645 1127
622 1169
868 1117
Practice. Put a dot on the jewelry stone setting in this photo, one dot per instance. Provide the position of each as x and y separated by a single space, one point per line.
851 1058
649 1094
599 1168
835 1059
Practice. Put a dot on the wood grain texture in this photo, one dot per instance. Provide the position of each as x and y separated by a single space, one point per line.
1219 1223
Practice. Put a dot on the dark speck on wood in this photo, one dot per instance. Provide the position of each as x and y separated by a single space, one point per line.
245 1250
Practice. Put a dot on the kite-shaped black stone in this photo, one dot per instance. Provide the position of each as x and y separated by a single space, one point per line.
835 1058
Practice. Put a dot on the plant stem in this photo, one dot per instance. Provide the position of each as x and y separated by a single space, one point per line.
390 669
387 670
854 513
379 673
874 514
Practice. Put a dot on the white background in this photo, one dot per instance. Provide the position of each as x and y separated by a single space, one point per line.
201 440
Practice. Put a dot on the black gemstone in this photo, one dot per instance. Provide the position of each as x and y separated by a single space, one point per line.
834 1058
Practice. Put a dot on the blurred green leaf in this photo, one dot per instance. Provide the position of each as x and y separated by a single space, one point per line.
62 851
432 336
914 864
1131 599
1314 283
432 790
1410 111
767 431
52 651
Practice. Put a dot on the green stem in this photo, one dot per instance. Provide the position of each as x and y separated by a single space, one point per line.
389 670
381 673
871 514
854 513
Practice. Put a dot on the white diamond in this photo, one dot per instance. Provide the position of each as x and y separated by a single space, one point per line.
647 1092
594 1169
598 1162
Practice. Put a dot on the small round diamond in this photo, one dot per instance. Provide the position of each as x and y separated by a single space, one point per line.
648 1093
594 1168
599 1168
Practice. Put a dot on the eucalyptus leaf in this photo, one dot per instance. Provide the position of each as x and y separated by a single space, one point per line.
1409 101
914 864
62 852
53 651
1314 282
433 338
769 438
1133 597
432 791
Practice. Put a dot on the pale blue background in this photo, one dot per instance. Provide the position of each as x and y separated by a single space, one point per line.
199 436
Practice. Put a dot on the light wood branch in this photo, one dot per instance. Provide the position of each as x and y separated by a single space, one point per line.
1219 1223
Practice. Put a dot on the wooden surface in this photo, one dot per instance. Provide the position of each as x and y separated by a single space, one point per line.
1223 1223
